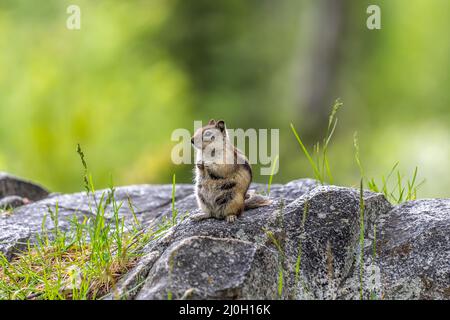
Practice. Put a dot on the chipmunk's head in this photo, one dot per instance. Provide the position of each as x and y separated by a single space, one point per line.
210 136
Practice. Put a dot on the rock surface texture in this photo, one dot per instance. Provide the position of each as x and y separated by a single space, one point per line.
313 242
13 186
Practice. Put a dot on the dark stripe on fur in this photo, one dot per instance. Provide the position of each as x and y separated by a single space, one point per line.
224 198
228 185
213 175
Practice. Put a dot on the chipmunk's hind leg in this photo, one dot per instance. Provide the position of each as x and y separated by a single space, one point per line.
234 208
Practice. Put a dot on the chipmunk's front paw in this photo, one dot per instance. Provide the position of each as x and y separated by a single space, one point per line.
231 218
200 216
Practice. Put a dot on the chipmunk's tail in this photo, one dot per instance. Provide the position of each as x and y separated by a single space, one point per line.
253 200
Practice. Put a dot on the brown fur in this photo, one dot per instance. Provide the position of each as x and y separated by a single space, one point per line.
221 186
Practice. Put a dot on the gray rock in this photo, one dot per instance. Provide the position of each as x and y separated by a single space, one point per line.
329 239
22 224
248 229
14 186
202 267
411 255
305 245
413 250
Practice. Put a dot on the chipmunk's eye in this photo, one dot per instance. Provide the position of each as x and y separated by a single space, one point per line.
207 134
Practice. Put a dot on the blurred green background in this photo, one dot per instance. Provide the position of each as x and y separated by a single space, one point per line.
137 70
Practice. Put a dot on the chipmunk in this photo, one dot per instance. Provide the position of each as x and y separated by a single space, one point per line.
222 175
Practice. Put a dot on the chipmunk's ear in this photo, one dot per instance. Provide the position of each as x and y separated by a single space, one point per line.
212 122
221 125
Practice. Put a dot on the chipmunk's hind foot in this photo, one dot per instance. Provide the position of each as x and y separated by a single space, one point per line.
231 218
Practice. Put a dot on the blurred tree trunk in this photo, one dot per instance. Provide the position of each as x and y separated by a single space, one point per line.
317 88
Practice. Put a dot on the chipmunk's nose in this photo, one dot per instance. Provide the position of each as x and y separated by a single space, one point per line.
192 140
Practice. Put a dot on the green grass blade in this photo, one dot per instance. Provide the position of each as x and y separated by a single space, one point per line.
308 156
361 238
174 211
271 174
